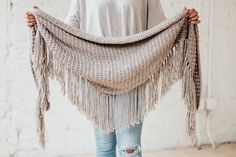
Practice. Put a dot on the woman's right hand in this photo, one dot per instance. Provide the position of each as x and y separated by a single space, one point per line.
30 19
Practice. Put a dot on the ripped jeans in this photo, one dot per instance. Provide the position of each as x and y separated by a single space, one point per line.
128 141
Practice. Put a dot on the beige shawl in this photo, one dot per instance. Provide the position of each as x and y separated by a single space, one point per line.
92 70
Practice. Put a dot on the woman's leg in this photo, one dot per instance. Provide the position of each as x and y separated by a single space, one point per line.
105 143
129 141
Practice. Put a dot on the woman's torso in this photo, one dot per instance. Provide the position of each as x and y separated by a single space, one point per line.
113 17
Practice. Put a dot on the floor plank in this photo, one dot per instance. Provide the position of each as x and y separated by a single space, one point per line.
223 150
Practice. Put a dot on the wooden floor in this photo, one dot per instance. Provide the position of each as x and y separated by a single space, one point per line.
223 150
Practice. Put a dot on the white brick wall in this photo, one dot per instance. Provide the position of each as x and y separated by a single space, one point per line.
69 132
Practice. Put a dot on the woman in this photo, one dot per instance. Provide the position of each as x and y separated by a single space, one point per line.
116 18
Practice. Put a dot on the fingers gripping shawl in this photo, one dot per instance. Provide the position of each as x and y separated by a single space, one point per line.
93 70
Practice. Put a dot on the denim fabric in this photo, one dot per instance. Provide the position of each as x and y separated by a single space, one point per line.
125 139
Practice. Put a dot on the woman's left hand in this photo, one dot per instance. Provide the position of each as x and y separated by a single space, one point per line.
193 16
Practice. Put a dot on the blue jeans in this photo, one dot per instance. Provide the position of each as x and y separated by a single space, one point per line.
128 141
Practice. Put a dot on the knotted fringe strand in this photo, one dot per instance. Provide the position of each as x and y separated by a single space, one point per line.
181 63
39 66
189 86
189 96
107 111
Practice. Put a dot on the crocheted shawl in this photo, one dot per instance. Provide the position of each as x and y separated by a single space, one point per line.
92 70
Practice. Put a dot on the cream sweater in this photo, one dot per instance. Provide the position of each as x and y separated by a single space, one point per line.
114 17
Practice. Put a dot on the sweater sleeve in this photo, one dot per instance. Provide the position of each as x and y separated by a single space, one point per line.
73 15
155 13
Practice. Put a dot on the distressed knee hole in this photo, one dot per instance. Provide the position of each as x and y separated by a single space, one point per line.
131 150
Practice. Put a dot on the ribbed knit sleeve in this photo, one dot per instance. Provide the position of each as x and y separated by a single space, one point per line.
155 13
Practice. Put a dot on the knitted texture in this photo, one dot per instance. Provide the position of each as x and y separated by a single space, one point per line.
93 70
